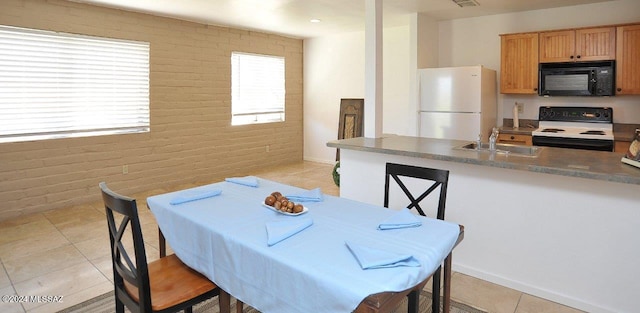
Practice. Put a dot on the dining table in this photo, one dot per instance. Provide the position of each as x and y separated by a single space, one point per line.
337 255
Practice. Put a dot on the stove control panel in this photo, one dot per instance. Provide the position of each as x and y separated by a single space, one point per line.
576 114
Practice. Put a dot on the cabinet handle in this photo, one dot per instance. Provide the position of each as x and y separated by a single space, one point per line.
513 137
578 57
571 57
619 89
535 89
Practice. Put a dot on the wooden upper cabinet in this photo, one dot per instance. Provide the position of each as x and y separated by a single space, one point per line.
596 44
519 63
586 44
558 46
628 60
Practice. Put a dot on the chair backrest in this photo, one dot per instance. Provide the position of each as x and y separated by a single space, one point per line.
440 178
135 272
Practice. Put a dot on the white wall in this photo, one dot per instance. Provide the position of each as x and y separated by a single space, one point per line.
334 68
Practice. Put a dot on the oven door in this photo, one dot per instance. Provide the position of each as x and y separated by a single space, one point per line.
573 143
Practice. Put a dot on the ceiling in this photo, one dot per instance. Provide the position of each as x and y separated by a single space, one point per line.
292 17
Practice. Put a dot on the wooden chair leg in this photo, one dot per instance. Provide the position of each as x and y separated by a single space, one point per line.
239 305
447 284
162 243
224 302
435 295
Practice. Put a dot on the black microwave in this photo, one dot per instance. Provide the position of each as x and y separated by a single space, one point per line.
577 79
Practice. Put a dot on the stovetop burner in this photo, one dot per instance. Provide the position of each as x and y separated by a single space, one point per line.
552 130
593 132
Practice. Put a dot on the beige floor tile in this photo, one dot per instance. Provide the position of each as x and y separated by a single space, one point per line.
31 245
65 282
103 264
25 219
531 304
94 248
81 232
77 215
484 295
39 226
33 265
9 305
4 278
77 279
73 299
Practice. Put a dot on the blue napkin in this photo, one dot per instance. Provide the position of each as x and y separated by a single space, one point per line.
193 195
247 181
402 219
314 195
371 258
280 230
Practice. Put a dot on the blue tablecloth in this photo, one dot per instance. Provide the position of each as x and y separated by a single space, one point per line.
224 237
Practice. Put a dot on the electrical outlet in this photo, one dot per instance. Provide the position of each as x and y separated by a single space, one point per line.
520 107
125 169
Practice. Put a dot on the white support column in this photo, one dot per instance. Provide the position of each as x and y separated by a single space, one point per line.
373 70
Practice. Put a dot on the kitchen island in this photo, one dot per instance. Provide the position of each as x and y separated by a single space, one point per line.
562 225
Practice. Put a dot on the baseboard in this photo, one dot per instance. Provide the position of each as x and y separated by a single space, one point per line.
332 162
532 290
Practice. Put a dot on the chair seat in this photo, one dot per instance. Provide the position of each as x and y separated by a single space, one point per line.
172 282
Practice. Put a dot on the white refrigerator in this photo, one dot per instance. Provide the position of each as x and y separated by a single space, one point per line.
457 102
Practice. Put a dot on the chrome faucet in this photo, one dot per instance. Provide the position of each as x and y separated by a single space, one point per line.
493 138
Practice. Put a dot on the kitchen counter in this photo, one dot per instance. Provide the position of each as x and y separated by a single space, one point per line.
569 214
587 164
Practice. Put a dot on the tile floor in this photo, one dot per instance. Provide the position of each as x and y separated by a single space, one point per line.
65 252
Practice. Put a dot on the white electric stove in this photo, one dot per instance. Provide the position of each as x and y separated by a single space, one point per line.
588 128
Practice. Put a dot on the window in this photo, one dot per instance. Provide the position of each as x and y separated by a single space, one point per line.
57 85
257 88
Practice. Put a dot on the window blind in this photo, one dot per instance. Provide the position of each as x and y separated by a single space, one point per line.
257 88
56 85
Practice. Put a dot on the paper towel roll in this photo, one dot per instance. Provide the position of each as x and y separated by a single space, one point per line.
516 122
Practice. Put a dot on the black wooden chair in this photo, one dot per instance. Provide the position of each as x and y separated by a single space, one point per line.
164 285
437 178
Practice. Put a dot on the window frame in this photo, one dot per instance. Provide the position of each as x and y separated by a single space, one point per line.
248 113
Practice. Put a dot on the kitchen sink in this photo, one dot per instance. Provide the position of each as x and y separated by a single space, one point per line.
527 151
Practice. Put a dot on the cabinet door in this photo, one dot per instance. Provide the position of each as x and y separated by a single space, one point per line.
519 63
558 46
628 60
595 44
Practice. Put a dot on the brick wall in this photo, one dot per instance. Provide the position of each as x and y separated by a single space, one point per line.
191 138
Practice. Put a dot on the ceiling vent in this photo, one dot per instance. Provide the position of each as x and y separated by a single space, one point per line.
466 3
